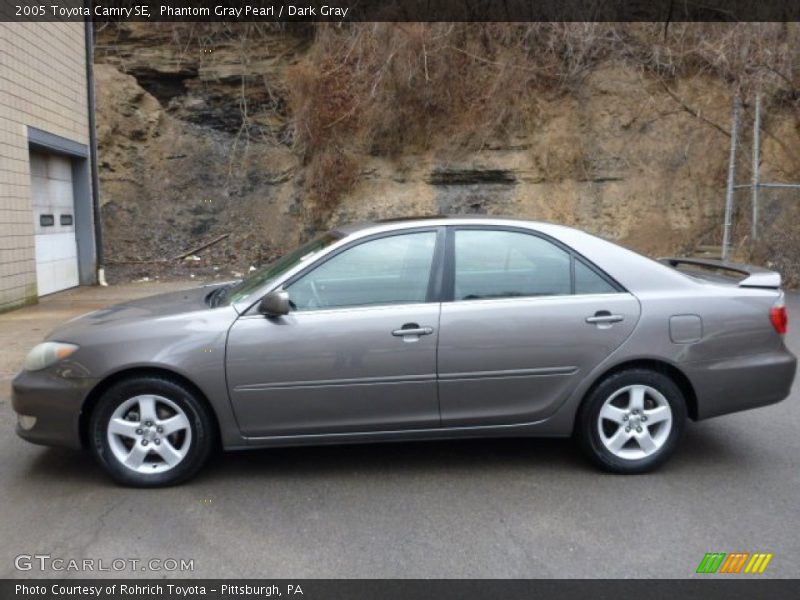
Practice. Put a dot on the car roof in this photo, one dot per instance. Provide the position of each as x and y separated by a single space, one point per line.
435 220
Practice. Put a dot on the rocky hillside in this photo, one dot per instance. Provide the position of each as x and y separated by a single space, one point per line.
269 135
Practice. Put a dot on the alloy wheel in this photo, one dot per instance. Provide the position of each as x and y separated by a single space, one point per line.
149 434
634 422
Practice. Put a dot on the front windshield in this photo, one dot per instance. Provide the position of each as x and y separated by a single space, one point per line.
277 267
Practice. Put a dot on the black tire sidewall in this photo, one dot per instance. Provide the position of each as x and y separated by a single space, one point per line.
199 420
589 436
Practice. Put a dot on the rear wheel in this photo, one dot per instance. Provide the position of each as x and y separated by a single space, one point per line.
150 432
632 421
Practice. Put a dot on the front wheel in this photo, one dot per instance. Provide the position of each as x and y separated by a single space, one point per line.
150 432
632 421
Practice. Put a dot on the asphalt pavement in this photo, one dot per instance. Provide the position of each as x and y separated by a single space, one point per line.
479 508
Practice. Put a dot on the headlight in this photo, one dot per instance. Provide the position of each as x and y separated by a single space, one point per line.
46 354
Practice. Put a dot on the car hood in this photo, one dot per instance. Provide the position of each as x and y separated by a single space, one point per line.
171 304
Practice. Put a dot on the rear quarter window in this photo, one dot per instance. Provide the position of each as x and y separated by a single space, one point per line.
588 281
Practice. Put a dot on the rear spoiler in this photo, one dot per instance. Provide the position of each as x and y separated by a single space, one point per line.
755 277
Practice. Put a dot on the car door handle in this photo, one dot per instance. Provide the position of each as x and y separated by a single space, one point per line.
604 317
412 329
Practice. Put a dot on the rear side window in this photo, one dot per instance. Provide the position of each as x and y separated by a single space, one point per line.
507 264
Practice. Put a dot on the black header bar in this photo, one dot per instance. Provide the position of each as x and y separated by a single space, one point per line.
338 11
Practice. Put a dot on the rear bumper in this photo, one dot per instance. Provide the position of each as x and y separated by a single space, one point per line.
55 402
741 383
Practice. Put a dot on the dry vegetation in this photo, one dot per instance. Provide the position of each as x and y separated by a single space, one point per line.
398 89
387 88
384 88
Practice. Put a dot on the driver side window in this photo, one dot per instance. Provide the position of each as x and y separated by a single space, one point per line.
388 270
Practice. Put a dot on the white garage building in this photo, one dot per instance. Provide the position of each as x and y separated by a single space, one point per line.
47 161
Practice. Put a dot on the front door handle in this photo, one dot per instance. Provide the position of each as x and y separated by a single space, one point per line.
412 329
603 317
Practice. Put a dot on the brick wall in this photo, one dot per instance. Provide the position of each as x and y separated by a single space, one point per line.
42 85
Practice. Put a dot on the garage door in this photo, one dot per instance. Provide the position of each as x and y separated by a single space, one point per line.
54 223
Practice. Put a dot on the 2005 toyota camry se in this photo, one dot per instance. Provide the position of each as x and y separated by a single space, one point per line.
415 329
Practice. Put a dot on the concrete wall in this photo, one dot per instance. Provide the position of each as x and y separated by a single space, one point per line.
42 86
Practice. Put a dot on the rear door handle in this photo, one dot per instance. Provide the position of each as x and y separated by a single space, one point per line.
412 329
603 317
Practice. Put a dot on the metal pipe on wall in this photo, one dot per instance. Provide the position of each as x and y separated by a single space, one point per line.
98 222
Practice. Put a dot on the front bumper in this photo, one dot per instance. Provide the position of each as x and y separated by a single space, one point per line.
55 402
742 383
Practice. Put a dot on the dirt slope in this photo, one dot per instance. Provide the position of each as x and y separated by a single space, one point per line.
196 141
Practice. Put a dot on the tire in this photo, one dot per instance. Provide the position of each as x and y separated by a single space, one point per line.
628 442
160 429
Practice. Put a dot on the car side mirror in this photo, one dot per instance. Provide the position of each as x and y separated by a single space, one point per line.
275 304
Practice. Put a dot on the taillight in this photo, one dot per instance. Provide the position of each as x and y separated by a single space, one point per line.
779 318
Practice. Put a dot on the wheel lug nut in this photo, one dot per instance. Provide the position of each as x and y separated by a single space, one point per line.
644 418
638 430
139 431
144 442
627 430
625 418
156 441
147 423
160 429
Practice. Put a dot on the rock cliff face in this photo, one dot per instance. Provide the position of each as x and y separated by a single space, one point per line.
195 141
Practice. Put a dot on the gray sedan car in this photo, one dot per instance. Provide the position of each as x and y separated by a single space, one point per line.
410 330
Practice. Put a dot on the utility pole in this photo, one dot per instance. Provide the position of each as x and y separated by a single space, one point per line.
756 166
726 232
